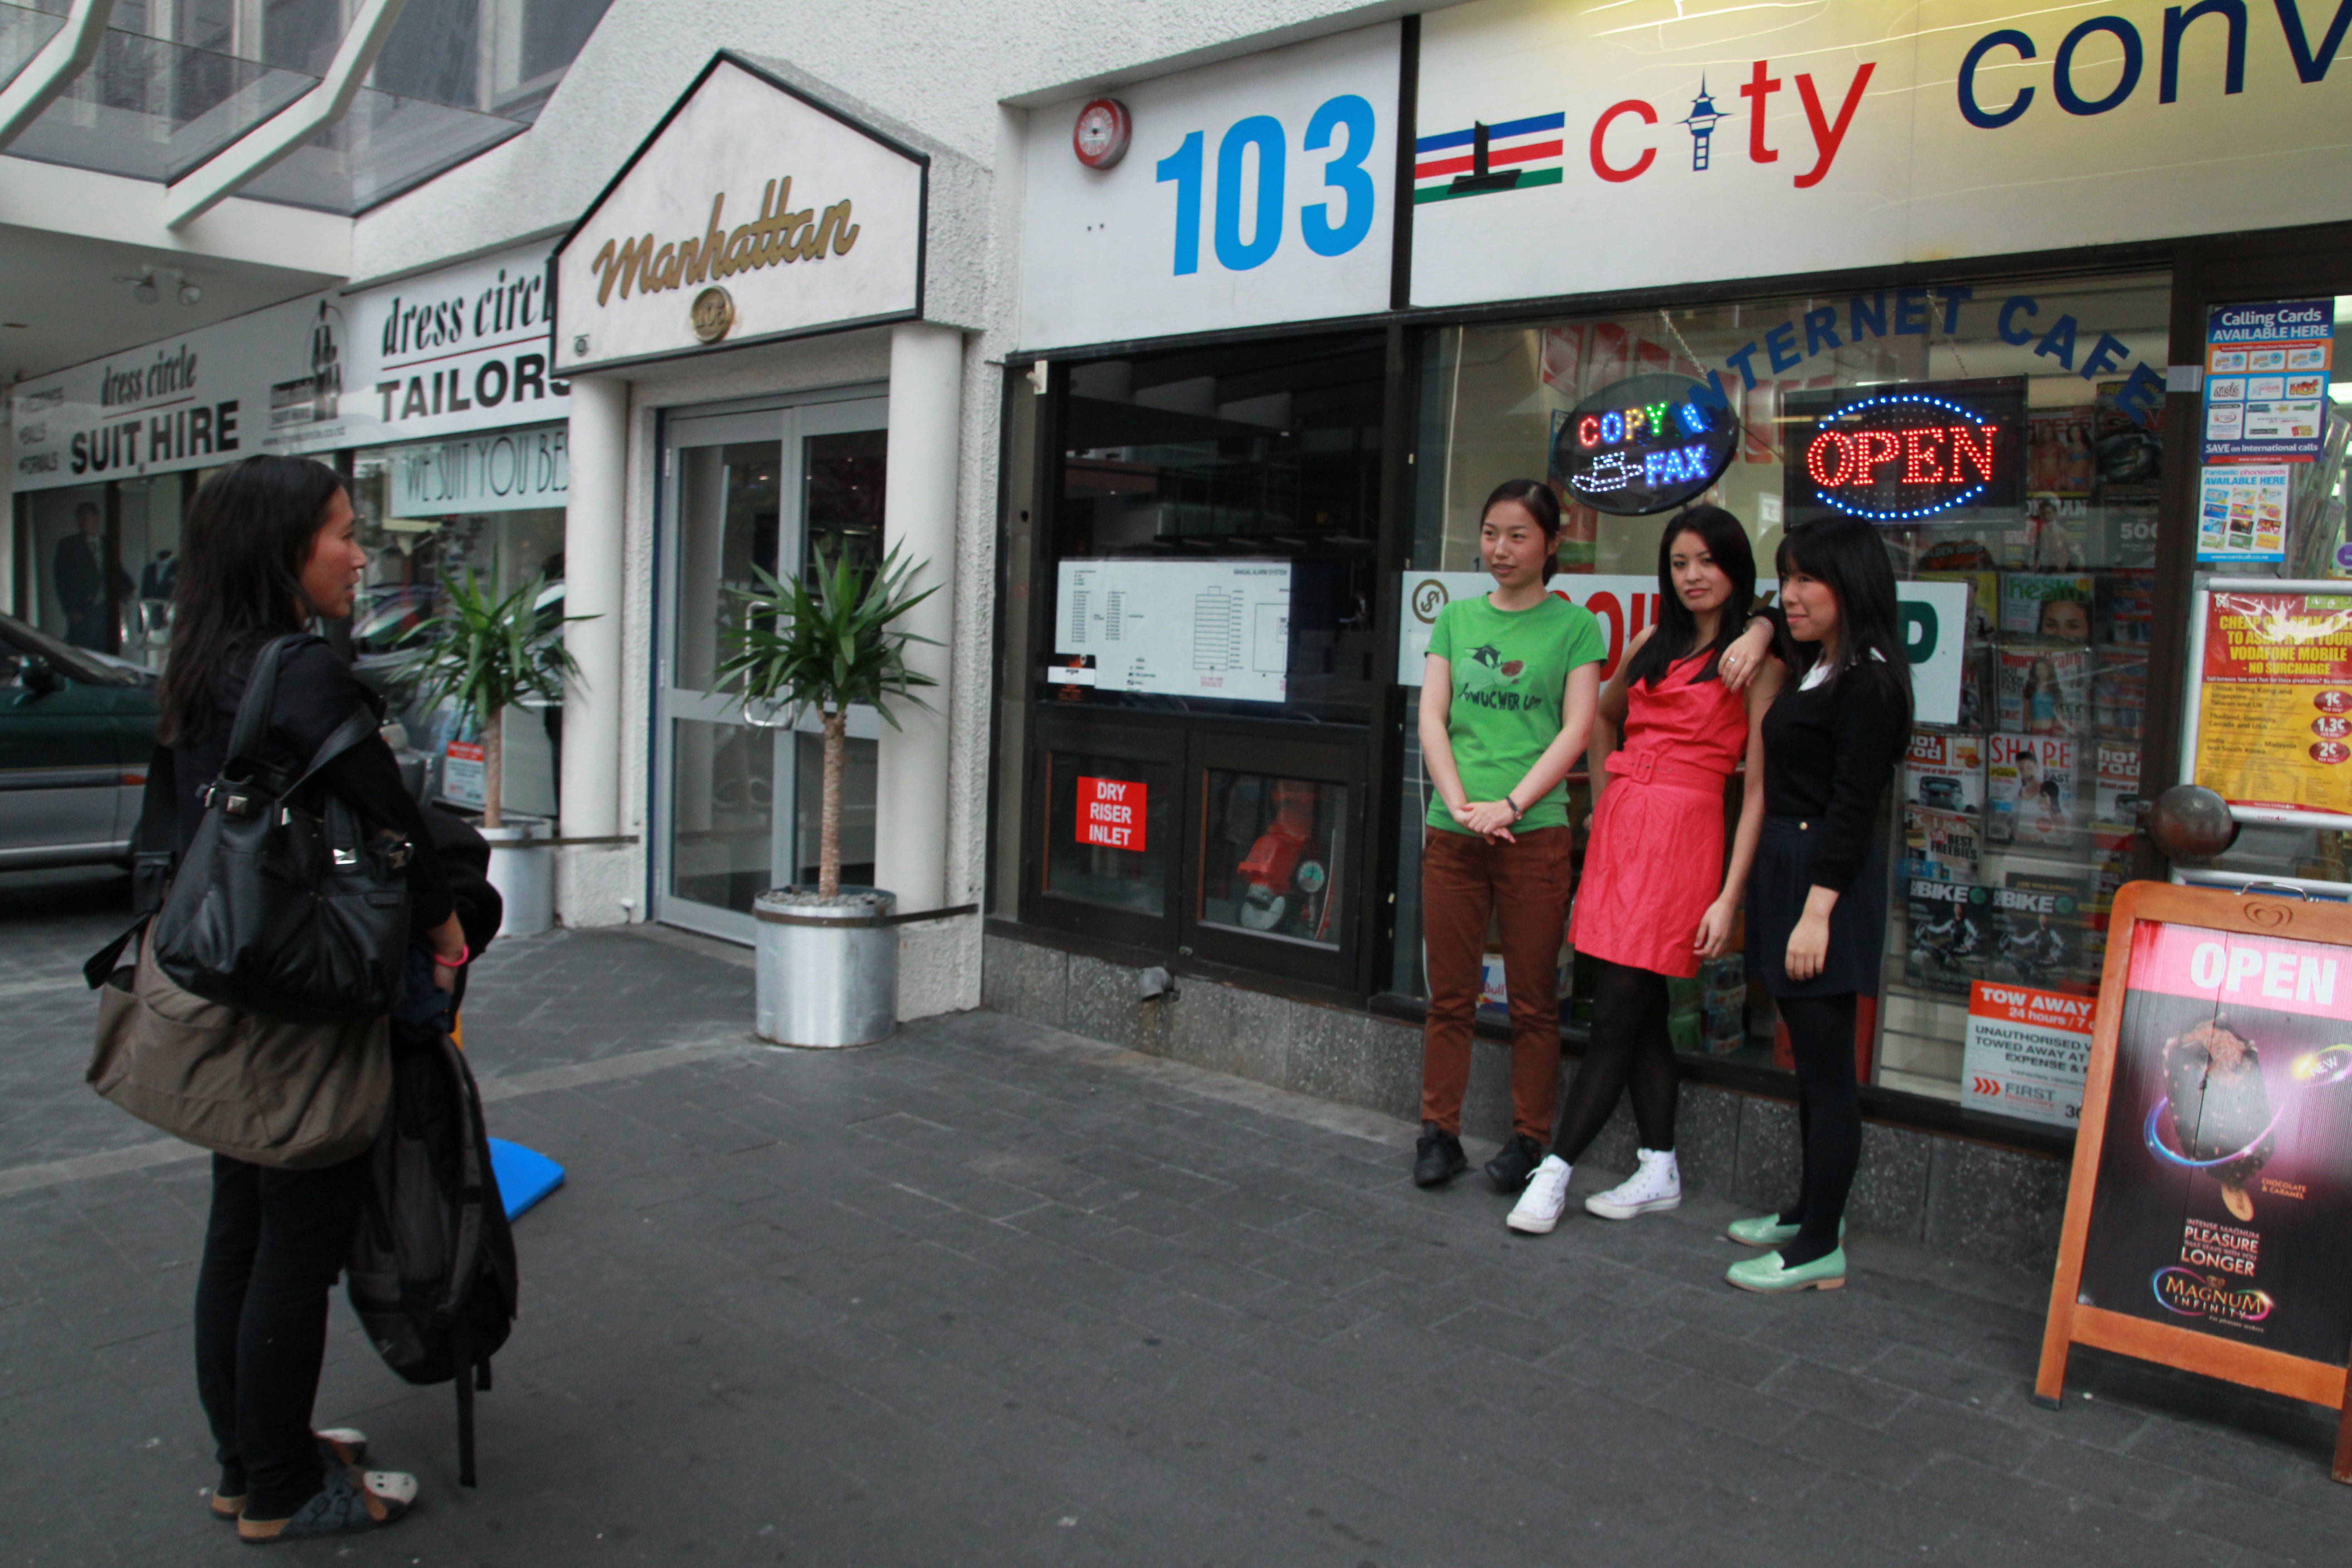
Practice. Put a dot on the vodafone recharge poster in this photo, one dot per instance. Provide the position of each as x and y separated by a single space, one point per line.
2224 1198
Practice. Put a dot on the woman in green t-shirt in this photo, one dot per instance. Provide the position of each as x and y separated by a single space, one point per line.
1506 701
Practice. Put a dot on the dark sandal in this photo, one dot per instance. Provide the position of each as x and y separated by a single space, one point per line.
337 1445
353 1503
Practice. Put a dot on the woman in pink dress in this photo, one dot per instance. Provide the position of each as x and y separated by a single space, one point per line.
1656 897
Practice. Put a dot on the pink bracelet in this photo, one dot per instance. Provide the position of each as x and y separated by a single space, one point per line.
465 954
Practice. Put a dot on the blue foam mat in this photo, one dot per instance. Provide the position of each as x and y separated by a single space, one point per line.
524 1176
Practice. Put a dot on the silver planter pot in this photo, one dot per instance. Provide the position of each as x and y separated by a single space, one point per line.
523 871
827 972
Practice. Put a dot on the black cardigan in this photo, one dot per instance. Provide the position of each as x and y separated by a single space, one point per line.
1828 753
316 692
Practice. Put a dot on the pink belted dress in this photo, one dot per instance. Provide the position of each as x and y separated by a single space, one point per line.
1655 861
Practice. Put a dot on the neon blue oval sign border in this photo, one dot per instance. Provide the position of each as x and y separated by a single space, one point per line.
1934 456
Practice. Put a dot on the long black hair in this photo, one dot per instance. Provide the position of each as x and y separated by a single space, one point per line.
1847 554
1541 504
1677 627
242 550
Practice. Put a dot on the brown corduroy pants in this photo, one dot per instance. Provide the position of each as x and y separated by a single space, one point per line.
1465 879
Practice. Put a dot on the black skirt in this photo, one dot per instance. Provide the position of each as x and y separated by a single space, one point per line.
1777 887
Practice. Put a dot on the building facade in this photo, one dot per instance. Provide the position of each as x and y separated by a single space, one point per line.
1183 360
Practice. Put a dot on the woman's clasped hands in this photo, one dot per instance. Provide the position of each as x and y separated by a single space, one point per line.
1490 819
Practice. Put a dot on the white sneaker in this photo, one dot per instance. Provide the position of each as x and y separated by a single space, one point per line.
1539 1205
1656 1184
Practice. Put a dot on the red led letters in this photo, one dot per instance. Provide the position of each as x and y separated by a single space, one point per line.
1930 455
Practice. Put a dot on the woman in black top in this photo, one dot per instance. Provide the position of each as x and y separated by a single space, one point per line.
1817 901
268 547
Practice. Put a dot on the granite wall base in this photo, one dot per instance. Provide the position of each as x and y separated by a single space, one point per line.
1996 1206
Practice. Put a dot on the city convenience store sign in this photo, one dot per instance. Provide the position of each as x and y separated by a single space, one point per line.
1575 148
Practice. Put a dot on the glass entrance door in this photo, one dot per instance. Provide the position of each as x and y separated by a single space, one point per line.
736 802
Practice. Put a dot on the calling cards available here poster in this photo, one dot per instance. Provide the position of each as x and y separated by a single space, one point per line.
2224 1199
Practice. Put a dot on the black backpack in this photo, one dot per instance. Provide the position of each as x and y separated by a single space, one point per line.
432 1274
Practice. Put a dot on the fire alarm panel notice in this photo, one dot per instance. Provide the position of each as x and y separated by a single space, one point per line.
1178 628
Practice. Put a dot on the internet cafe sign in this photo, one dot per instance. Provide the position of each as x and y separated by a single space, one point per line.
1633 136
752 213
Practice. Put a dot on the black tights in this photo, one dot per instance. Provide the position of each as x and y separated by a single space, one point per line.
1828 1119
276 1242
1630 1048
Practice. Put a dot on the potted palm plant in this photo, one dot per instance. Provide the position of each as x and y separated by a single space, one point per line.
483 655
828 957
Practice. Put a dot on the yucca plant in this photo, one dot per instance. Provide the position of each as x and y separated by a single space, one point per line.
484 655
825 641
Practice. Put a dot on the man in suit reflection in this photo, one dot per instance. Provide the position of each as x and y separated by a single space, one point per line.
155 581
79 572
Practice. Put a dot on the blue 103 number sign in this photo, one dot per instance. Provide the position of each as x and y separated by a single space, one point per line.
1248 218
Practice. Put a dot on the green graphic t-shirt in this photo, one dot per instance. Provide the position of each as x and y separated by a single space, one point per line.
1510 669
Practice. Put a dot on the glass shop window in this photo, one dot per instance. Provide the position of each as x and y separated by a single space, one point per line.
2004 438
104 558
415 551
1274 858
2238 521
1213 533
1109 823
843 472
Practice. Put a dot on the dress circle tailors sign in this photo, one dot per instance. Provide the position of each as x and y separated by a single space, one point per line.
2223 1202
810 220
1643 445
441 353
2275 701
1111 813
255 383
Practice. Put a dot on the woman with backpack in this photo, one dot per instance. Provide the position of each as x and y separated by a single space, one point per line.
1656 897
1817 902
267 548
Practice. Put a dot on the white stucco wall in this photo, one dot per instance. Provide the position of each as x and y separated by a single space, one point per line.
947 70
942 76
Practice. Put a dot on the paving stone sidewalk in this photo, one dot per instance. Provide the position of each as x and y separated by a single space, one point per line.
991 1294
547 1001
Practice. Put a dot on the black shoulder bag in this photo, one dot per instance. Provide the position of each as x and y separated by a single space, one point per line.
277 907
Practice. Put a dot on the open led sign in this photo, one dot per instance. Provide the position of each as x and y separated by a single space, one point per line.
1902 456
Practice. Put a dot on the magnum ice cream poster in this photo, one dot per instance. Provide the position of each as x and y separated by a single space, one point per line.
2224 1198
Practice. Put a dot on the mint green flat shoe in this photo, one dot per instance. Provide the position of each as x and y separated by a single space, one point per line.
1765 1230
1766 1275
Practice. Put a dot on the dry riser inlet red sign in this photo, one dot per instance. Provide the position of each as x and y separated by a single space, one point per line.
1110 813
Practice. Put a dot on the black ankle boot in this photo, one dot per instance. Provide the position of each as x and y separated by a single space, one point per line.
1510 1169
1438 1158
